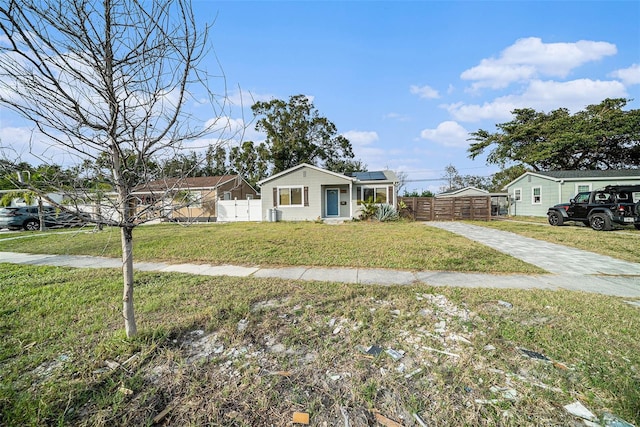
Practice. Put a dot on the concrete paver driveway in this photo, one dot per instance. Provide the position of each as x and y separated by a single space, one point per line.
554 258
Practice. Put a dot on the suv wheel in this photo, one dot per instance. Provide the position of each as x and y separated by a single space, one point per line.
555 218
32 225
600 222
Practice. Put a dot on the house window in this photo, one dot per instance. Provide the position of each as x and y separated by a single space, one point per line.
290 196
583 188
191 199
374 194
517 194
536 195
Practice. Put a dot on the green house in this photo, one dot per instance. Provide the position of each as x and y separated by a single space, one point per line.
533 192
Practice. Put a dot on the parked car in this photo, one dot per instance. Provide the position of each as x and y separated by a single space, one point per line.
26 217
600 209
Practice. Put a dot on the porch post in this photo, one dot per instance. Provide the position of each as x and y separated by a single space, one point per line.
351 199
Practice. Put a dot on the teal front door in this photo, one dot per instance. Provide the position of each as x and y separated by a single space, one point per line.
333 202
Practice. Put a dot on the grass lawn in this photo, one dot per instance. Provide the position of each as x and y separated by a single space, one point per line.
402 245
622 243
251 352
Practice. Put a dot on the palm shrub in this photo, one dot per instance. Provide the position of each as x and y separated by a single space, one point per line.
368 208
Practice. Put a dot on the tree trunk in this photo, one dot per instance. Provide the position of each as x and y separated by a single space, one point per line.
127 275
41 214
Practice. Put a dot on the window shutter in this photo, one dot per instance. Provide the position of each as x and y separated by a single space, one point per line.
275 197
359 193
306 196
390 195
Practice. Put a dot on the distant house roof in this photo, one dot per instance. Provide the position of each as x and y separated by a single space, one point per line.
200 182
573 175
610 173
463 190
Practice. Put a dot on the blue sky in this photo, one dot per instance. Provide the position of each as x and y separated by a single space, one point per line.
406 81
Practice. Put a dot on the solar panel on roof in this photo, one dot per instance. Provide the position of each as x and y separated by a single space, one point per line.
369 176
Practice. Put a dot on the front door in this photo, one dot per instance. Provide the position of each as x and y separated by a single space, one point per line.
333 202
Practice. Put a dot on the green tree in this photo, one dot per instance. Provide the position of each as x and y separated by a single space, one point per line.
296 133
9 173
345 165
250 161
416 193
215 161
182 166
455 181
500 179
602 136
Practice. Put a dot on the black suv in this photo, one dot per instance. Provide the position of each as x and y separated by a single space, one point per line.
600 209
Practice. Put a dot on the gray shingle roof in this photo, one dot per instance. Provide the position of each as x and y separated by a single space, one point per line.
611 173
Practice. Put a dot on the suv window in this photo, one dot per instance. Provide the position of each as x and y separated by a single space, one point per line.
602 198
582 198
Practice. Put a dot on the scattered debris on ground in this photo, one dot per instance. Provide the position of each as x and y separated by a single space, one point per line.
285 363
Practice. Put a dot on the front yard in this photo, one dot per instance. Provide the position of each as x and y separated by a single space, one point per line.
251 352
402 245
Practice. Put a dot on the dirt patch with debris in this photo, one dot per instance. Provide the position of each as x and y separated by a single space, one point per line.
364 362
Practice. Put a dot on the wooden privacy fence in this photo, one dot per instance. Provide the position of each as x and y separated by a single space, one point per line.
447 208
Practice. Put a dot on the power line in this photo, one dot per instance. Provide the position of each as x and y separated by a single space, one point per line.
425 180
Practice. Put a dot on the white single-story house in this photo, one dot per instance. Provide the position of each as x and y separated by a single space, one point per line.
533 192
307 193
499 201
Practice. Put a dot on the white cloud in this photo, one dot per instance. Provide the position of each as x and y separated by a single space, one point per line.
361 138
15 140
397 116
26 144
449 134
629 76
541 95
424 92
531 58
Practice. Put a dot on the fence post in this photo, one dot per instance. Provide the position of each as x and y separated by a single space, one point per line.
473 210
432 211
414 204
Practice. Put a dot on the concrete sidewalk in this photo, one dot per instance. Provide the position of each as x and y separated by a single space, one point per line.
623 286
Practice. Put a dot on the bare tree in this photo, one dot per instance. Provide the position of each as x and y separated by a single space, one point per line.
108 80
402 177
